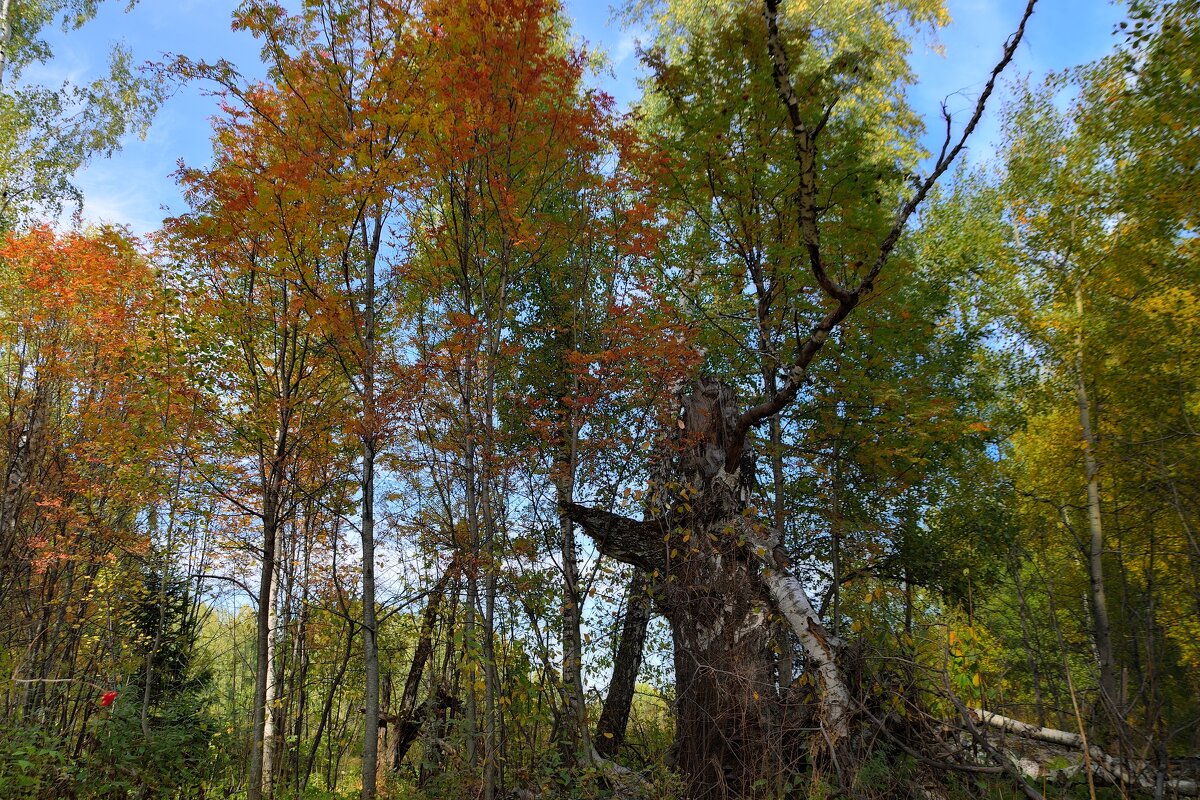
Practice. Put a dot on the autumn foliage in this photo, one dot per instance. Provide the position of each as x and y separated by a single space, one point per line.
464 435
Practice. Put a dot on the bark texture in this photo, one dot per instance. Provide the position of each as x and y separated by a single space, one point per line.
614 716
405 724
716 574
1099 602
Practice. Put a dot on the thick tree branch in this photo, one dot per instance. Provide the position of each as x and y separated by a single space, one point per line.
804 141
945 159
628 540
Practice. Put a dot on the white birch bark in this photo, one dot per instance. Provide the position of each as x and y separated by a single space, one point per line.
1108 768
269 727
5 35
819 646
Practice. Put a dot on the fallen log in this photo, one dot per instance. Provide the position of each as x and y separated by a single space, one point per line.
1106 768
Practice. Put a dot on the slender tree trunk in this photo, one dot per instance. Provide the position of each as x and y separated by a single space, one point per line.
471 625
371 425
574 744
406 723
471 648
493 772
270 718
159 630
387 731
785 663
254 786
1033 653
301 643
491 765
370 755
614 717
30 444
574 739
272 509
835 543
1099 602
327 708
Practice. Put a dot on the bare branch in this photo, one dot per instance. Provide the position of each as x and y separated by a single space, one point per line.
946 159
804 142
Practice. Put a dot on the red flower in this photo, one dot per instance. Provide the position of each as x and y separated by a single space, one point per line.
107 699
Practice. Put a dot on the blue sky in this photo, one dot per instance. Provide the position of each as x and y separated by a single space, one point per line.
135 186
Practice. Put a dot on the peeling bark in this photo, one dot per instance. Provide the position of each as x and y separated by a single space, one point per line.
819 646
626 540
705 562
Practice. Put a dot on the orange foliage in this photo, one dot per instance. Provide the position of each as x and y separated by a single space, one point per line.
77 381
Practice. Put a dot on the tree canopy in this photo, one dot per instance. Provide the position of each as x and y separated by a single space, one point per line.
466 436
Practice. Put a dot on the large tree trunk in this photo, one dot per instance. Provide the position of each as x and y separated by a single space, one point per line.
717 573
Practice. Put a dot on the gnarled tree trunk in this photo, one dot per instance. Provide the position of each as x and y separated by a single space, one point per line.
717 575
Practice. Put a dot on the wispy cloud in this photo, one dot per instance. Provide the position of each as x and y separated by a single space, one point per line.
626 46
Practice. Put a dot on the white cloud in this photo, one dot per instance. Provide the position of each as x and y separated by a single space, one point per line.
626 46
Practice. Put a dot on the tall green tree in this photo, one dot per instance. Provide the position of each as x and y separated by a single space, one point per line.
1090 275
48 133
831 87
